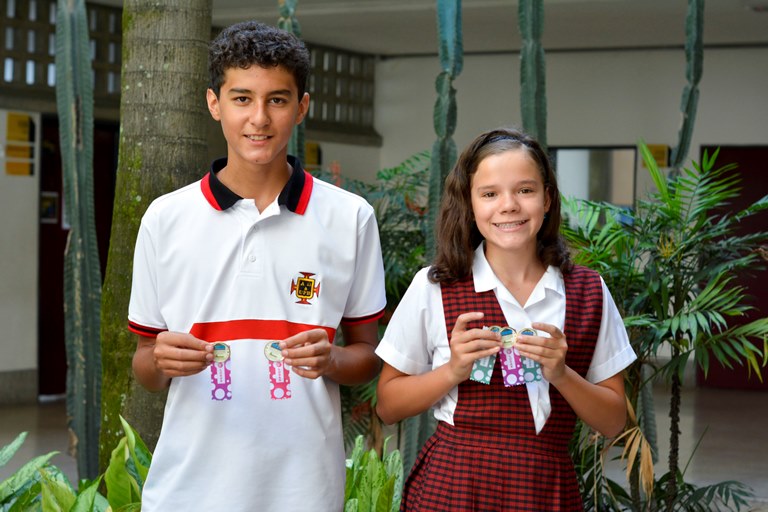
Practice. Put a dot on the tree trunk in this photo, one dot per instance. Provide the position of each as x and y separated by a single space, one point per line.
163 120
674 437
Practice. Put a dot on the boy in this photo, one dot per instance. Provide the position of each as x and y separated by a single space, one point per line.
240 281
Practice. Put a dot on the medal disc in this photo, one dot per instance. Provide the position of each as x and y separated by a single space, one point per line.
272 351
508 337
221 352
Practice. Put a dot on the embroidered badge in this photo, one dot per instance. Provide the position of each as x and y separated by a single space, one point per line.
305 288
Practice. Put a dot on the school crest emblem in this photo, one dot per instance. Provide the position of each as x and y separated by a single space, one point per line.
305 288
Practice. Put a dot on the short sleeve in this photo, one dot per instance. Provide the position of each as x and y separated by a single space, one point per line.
408 342
613 352
367 296
144 315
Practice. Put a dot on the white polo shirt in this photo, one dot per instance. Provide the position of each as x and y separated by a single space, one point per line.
207 262
416 340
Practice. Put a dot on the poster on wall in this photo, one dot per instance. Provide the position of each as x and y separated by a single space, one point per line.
49 207
18 143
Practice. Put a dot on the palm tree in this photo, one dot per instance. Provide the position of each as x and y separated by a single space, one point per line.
670 265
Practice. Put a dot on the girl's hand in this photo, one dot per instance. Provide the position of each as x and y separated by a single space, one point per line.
548 352
469 345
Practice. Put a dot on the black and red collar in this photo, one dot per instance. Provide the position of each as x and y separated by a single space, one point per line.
294 196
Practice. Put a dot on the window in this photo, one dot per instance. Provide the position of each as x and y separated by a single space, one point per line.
341 86
28 51
597 174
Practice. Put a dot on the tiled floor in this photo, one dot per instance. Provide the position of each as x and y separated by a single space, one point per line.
730 427
733 423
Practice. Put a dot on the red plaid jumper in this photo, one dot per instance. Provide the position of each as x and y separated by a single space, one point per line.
491 459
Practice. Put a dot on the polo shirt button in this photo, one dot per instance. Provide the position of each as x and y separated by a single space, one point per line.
252 257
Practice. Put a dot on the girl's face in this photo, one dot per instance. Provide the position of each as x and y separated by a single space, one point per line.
509 201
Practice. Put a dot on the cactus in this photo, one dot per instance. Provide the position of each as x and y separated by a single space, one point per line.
82 274
533 92
289 23
694 57
444 149
417 429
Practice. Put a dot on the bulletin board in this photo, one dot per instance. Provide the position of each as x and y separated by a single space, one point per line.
19 143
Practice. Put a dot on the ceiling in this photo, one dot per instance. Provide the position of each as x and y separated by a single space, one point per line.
408 27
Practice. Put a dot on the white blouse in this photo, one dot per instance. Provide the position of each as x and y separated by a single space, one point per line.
416 340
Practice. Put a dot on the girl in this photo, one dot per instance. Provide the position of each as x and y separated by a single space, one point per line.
502 438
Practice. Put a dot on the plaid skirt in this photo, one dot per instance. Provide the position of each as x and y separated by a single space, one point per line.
454 476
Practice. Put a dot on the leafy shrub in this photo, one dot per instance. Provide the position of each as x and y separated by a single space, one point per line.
373 483
40 486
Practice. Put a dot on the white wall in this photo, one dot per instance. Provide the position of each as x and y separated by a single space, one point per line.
356 162
18 261
593 98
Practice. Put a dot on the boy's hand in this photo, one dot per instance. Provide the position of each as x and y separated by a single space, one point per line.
179 354
469 345
548 352
310 353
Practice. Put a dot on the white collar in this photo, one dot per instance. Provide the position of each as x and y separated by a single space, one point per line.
485 280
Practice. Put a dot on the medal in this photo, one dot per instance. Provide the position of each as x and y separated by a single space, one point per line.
221 375
279 375
509 359
272 351
531 369
220 352
508 337
482 369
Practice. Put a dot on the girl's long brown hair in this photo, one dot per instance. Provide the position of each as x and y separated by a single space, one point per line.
457 235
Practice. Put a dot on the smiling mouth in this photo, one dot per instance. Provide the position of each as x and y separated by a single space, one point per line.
510 225
257 137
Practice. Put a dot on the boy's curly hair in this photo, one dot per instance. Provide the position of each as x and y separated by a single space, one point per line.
244 44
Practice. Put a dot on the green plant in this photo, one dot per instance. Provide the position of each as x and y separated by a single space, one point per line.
288 22
38 485
374 483
694 64
399 197
533 88
82 273
451 52
670 265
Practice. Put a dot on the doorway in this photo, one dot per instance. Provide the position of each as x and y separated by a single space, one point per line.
52 359
751 161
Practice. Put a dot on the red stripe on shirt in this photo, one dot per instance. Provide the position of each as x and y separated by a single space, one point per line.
252 329
143 330
301 207
362 319
205 184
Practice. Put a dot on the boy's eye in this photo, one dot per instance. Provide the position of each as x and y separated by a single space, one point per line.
278 101
241 99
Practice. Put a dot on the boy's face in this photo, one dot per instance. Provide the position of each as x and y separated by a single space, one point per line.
258 108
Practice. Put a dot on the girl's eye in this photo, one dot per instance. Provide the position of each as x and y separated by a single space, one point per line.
489 194
526 190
